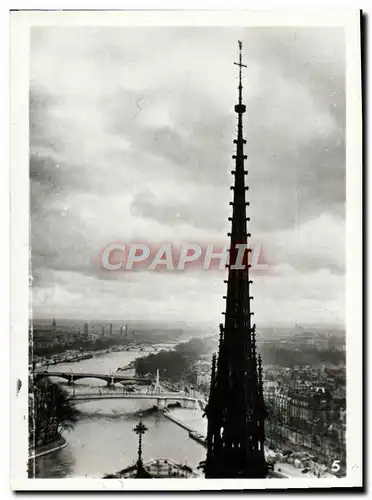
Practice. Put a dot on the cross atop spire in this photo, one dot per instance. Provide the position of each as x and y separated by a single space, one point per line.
140 429
241 65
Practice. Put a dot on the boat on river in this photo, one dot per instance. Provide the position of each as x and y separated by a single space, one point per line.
196 436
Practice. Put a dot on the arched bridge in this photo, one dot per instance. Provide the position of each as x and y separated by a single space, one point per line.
161 399
110 378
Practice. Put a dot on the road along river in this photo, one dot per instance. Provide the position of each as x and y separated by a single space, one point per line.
102 440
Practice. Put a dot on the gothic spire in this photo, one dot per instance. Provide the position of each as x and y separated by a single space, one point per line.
235 417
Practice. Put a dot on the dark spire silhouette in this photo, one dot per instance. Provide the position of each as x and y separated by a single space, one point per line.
235 411
140 429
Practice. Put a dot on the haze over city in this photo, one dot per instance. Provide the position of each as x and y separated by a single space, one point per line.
131 140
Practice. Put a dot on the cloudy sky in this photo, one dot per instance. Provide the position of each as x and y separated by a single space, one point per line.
131 135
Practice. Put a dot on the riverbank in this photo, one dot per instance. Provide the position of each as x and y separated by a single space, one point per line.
103 438
169 416
46 449
74 355
191 421
193 434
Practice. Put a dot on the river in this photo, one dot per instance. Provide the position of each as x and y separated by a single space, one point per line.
102 440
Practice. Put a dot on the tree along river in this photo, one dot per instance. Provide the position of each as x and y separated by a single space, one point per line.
102 440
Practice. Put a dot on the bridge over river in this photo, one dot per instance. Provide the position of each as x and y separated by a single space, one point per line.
160 399
110 378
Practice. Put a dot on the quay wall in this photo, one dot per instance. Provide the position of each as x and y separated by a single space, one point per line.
178 422
48 448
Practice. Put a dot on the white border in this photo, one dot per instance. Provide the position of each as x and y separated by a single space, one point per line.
19 28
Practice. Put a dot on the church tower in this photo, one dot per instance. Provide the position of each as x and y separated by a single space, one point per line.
235 411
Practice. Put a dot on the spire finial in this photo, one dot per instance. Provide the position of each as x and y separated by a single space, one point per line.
140 429
241 65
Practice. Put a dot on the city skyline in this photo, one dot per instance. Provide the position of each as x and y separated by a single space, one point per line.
131 140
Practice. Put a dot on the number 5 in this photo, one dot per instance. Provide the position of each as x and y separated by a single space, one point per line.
335 466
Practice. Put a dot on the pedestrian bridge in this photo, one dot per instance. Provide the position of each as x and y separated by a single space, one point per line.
110 378
161 399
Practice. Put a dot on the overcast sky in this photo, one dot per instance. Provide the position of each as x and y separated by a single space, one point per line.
131 135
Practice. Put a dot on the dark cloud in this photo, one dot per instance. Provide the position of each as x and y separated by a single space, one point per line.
200 212
131 136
